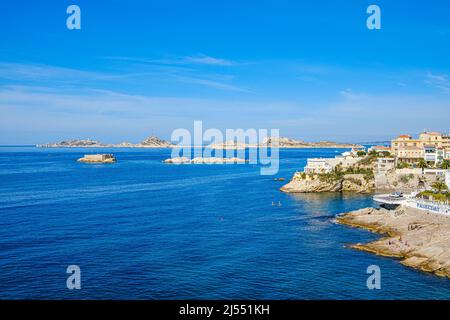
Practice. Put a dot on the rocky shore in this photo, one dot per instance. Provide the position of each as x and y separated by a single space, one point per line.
420 239
361 177
357 183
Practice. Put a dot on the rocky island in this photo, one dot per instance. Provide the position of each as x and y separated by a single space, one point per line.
150 142
283 142
231 145
98 158
419 238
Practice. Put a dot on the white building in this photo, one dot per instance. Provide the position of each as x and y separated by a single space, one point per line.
379 149
447 154
327 165
319 165
435 172
385 164
433 154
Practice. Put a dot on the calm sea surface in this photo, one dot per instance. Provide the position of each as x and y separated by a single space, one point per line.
141 229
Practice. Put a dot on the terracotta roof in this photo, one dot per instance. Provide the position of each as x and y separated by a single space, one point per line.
404 136
381 147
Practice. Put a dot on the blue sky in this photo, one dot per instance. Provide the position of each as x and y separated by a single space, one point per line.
309 68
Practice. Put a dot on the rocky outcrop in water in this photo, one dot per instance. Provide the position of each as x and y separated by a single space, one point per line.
420 239
98 158
356 183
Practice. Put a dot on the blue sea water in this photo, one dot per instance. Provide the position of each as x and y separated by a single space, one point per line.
141 229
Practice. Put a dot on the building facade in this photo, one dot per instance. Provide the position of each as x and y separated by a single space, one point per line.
385 164
432 147
327 165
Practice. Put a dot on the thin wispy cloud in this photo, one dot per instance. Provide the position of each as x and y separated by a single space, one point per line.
440 81
349 94
43 73
198 59
40 74
311 79
207 60
368 118
111 115
213 84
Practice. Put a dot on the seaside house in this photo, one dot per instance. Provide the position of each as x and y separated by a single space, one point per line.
319 165
430 146
327 165
433 154
410 154
354 152
379 149
384 165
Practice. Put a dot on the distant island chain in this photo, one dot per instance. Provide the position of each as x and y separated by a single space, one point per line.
155 142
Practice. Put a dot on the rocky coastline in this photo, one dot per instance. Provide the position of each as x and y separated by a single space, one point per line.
419 239
356 183
360 177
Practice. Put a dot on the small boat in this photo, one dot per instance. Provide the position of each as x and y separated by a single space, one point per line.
396 195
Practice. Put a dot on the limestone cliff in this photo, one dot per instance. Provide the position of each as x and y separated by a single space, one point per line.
357 183
311 185
405 180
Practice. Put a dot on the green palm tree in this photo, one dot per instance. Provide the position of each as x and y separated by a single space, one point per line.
422 164
439 186
445 164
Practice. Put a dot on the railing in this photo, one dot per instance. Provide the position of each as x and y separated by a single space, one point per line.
429 205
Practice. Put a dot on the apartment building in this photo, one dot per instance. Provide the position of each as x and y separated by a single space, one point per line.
430 146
